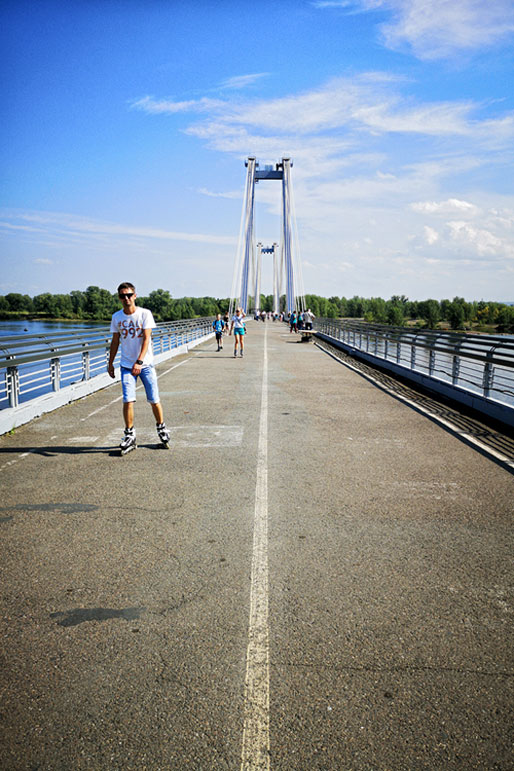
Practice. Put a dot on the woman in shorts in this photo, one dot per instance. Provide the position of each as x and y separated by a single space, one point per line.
238 326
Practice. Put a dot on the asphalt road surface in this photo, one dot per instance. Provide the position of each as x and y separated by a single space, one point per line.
314 576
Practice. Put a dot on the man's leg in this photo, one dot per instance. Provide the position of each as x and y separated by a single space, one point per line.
149 378
128 414
158 413
128 387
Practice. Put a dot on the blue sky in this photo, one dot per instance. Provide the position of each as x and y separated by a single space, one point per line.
126 125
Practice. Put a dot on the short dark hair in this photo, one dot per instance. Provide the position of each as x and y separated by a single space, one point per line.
126 285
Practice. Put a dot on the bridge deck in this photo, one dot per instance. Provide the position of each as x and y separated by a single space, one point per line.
127 581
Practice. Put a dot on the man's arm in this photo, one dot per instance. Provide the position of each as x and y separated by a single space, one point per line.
147 336
115 342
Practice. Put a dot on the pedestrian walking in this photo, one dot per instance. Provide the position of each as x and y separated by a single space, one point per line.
219 325
308 318
132 328
239 328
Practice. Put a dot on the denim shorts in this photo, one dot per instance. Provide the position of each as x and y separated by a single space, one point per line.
149 379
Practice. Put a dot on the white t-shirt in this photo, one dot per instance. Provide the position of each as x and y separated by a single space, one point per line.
239 322
130 327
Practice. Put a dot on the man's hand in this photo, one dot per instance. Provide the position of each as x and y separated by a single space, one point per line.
110 370
136 369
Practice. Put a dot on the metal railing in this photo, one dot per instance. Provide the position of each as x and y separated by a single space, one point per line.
32 365
480 364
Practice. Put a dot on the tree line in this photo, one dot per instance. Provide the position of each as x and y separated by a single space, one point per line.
96 304
99 304
399 311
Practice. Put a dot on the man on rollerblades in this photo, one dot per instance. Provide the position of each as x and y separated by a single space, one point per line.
132 327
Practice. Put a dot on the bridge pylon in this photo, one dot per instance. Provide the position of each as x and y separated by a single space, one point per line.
286 259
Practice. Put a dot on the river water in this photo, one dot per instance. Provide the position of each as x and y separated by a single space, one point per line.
37 327
29 327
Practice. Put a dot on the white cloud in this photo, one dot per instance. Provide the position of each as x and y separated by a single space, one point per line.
336 115
242 81
482 241
451 206
70 226
479 232
334 4
233 195
167 106
431 235
435 29
43 261
440 28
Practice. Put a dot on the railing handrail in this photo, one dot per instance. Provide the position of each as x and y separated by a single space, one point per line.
97 340
87 332
411 337
461 337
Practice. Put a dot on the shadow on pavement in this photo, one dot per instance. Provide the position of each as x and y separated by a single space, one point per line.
51 451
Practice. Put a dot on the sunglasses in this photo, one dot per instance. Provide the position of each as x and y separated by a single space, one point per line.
128 294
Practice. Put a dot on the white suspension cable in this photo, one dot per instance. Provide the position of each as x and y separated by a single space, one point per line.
237 258
298 273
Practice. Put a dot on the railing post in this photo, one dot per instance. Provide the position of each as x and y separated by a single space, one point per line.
431 362
386 345
398 352
55 374
86 365
488 377
455 369
413 355
12 383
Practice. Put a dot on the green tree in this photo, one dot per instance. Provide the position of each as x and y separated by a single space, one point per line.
456 313
430 312
19 302
160 303
395 315
505 318
377 306
46 304
78 302
99 303
357 307
64 307
412 309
